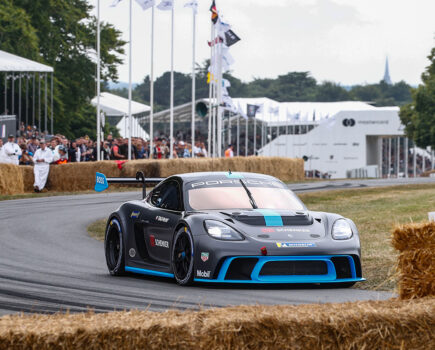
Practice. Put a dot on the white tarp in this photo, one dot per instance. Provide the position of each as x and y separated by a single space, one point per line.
13 63
136 129
281 113
113 105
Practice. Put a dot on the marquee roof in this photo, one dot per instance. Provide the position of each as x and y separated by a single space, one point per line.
14 63
113 105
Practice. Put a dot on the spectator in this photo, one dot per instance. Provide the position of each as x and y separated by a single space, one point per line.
63 155
43 157
229 153
33 145
74 153
26 158
115 154
1 145
10 151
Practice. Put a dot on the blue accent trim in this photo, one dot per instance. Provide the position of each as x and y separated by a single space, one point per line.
100 182
330 277
148 272
234 176
271 217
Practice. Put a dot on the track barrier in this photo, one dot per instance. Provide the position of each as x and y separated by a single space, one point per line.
81 176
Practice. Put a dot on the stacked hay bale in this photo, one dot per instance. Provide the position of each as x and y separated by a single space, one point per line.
416 265
11 179
390 324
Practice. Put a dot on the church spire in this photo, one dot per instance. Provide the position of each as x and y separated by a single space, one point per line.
387 78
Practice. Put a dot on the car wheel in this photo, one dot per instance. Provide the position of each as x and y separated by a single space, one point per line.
182 257
114 248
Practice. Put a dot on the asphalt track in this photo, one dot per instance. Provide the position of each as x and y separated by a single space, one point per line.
48 263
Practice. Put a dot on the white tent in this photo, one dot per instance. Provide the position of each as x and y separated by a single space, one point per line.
117 106
136 128
13 63
113 105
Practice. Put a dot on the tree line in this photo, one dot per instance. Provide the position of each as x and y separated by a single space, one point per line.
290 87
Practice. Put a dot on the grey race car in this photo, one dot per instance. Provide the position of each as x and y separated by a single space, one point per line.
228 227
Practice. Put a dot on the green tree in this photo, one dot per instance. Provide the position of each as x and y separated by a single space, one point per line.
66 37
419 116
330 92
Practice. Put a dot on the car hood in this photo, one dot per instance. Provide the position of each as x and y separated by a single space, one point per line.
277 225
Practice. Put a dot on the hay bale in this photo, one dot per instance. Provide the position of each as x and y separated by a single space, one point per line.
28 177
413 236
79 176
390 324
416 264
11 179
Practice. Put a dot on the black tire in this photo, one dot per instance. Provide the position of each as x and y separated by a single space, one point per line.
182 257
114 248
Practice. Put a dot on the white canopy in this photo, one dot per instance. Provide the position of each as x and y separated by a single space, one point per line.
281 113
13 63
113 105
136 129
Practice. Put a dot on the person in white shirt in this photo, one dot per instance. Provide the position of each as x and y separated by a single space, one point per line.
42 159
10 151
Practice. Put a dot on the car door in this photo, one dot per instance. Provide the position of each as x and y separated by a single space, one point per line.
164 213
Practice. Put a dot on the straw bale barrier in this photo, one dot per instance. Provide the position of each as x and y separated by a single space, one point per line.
81 176
390 324
416 264
11 179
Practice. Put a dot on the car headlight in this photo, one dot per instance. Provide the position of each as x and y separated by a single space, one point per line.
341 230
219 230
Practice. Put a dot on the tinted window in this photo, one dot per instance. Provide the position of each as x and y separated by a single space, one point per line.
166 196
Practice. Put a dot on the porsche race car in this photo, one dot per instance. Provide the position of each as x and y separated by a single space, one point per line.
228 227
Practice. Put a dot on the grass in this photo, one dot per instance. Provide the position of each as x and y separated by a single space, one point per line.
97 229
375 211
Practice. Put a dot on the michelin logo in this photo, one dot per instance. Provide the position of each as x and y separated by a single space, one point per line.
203 274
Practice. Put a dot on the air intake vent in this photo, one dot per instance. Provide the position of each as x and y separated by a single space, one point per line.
241 269
285 268
342 267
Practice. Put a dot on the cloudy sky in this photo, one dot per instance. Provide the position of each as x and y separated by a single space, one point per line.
338 40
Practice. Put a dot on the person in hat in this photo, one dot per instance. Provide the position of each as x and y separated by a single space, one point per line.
10 151
42 159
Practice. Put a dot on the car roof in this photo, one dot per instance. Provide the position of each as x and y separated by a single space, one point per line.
214 175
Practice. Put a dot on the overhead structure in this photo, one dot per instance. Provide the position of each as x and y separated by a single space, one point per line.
116 106
19 68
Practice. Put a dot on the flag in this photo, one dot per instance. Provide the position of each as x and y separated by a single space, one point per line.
115 2
230 38
145 4
251 110
217 40
227 59
214 13
166 5
193 4
226 83
222 27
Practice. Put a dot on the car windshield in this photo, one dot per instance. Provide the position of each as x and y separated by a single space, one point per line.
233 196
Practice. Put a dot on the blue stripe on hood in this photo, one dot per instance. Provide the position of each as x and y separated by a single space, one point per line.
271 217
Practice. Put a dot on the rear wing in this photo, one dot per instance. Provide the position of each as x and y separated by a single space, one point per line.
102 182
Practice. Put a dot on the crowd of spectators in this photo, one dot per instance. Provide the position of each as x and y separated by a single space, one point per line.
84 149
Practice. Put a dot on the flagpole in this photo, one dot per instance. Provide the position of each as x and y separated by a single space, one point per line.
151 150
98 83
219 101
238 135
129 85
193 83
213 91
171 123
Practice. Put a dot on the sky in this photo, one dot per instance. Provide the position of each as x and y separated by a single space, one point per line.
344 41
